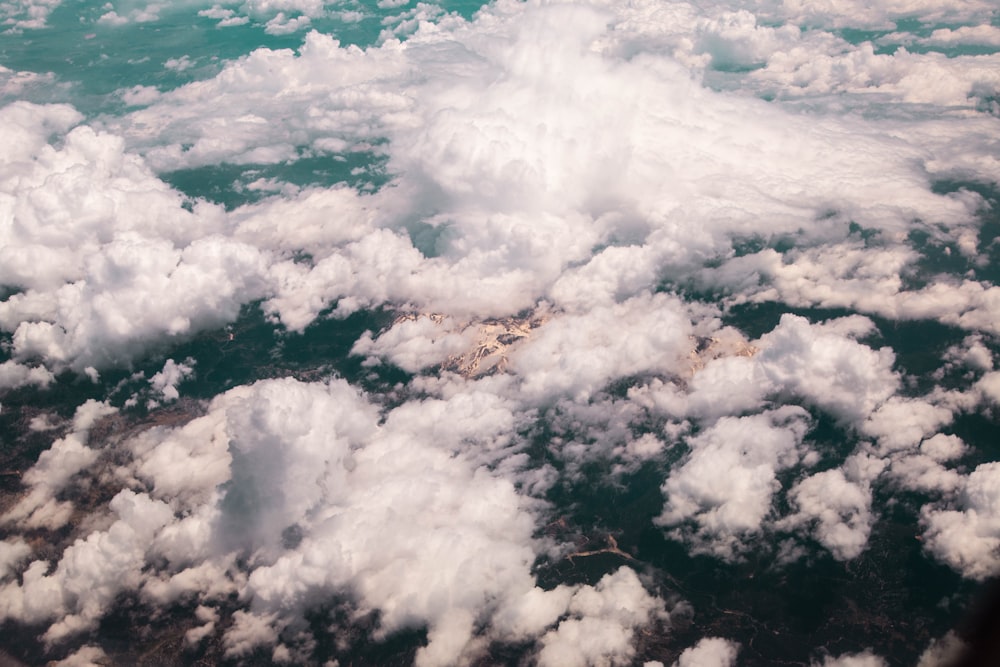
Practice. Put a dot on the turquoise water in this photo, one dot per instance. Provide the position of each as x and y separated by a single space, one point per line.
115 57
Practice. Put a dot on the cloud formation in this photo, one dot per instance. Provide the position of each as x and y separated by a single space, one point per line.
322 500
667 241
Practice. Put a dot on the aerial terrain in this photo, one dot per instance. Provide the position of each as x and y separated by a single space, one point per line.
557 332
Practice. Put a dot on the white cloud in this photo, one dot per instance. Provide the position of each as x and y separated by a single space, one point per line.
140 95
417 343
112 18
972 353
165 381
943 447
216 12
989 387
284 25
130 12
869 280
904 428
842 13
85 656
27 14
577 178
179 64
836 506
915 78
863 659
823 365
399 497
943 652
723 378
14 375
986 35
208 617
922 473
327 498
968 539
12 553
709 652
725 486
902 423
54 469
15 83
108 317
578 354
307 7
90 573
602 622
107 256
632 173
476 245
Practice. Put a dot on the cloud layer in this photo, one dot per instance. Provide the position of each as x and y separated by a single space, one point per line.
610 243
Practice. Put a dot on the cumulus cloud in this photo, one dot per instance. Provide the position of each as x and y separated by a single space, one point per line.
306 7
90 573
723 377
988 387
284 25
863 659
725 486
902 423
836 505
40 506
27 14
183 466
209 617
943 652
847 276
97 235
226 17
602 622
967 34
855 13
14 375
710 652
327 498
915 78
576 197
85 656
967 538
165 381
414 344
579 354
12 552
822 365
367 509
561 197
923 473
825 366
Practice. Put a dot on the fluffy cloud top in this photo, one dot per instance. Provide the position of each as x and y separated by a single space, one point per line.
325 500
726 484
968 538
576 195
523 170
837 504
52 472
709 652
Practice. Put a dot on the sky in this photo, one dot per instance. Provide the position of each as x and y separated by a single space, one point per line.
568 332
